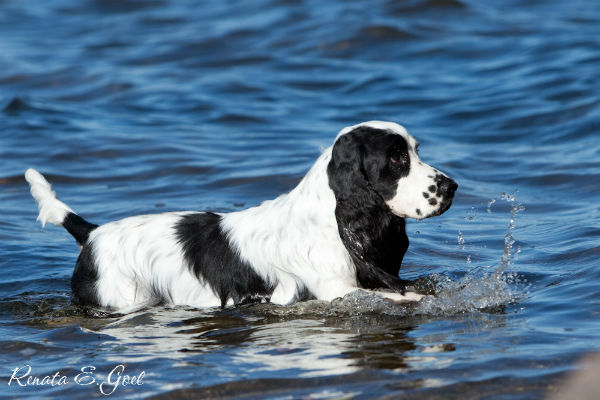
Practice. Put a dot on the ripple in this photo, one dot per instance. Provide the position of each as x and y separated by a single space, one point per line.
386 32
15 105
137 106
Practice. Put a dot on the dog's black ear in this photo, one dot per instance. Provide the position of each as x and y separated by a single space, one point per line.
374 237
345 170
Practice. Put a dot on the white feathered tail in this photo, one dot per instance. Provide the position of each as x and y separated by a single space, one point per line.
51 209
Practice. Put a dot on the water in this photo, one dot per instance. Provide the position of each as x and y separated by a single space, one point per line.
135 107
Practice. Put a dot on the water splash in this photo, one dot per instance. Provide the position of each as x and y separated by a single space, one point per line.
481 288
489 205
488 288
461 241
470 216
462 246
509 240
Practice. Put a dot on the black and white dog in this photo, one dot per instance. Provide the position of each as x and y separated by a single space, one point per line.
340 230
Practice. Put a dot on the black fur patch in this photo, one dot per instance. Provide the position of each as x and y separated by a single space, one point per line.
365 167
211 258
78 227
84 278
303 294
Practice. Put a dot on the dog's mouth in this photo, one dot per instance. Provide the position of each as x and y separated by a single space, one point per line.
446 200
444 206
445 203
449 188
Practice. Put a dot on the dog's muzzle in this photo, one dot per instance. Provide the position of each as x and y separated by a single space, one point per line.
446 189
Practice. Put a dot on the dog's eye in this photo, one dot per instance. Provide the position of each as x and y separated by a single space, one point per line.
398 159
417 148
397 156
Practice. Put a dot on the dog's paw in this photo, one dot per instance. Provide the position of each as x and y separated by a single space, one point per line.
401 298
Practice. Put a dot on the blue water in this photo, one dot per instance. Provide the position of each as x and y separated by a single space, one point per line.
134 107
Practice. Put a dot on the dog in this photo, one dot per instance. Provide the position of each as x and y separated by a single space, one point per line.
341 229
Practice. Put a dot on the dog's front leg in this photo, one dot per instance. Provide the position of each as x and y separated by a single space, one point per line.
398 297
329 292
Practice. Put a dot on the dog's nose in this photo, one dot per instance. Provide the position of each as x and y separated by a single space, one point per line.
448 186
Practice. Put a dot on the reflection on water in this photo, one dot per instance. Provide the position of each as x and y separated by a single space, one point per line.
313 345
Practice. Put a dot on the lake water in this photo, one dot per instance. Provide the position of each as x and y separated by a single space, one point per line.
134 107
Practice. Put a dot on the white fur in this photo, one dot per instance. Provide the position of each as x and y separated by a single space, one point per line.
139 257
409 194
384 125
51 209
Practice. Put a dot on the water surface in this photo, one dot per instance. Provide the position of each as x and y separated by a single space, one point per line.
134 107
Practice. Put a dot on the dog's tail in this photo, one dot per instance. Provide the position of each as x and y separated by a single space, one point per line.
55 211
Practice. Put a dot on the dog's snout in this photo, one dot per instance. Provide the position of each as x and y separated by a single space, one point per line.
448 186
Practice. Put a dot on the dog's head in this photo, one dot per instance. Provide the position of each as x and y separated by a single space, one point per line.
381 159
378 180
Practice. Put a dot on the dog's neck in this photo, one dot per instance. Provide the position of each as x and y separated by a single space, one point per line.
291 228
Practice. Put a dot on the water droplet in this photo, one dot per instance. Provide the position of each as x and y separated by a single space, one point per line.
461 241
